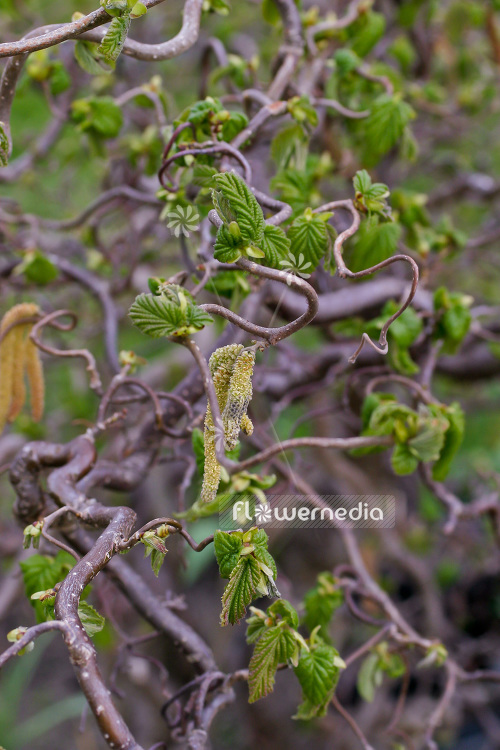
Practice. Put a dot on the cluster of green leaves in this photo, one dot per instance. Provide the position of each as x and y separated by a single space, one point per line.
378 235
320 604
452 318
241 486
421 233
276 639
99 118
169 311
379 662
244 231
40 575
402 334
243 557
43 66
433 433
210 120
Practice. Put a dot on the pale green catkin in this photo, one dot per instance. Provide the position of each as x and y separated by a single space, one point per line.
221 365
238 397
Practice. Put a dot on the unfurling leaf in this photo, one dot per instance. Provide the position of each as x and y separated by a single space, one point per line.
241 590
244 559
114 39
247 212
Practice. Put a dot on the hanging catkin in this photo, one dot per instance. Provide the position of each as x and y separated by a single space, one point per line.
17 356
238 397
221 366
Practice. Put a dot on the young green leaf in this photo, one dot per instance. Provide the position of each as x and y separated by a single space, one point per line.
37 268
154 548
385 125
275 646
242 588
318 672
370 677
452 441
309 237
114 38
275 245
86 57
91 620
321 602
403 460
227 549
171 313
98 115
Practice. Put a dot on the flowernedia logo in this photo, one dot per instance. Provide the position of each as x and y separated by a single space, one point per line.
301 511
183 220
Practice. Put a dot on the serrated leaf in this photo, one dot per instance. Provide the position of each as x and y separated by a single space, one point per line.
362 181
242 588
227 247
114 38
160 315
248 213
275 245
275 646
389 116
41 573
227 549
309 237
203 175
318 674
91 620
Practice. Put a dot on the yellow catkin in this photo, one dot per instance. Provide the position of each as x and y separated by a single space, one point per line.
18 385
34 371
238 396
246 424
13 360
221 365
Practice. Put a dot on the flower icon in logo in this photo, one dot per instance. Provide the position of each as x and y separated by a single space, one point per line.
296 267
183 220
262 513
